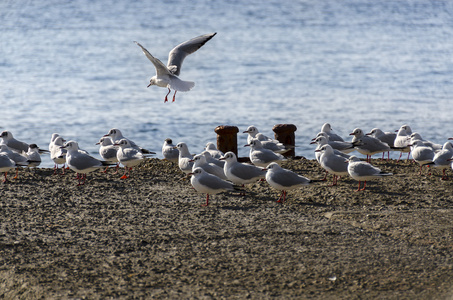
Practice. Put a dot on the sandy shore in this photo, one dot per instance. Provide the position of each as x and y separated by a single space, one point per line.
148 237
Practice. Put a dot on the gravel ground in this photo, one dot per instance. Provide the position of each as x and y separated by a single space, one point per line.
149 237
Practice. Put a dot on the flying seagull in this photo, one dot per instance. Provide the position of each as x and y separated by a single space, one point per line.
167 76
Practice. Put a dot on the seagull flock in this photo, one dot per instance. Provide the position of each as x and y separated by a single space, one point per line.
213 171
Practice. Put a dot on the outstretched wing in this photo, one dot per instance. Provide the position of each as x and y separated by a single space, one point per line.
177 54
161 69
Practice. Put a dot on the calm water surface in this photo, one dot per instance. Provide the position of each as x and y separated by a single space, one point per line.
71 67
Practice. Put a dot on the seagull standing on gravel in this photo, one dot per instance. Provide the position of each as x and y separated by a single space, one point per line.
80 162
19 158
442 159
6 164
322 139
422 154
332 163
116 136
416 136
108 151
363 171
167 76
262 157
240 173
208 184
12 143
284 180
184 160
58 154
33 156
368 145
386 137
402 141
129 157
52 141
169 152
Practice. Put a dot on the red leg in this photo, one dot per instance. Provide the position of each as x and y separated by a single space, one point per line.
174 96
207 200
124 175
281 199
334 180
79 178
325 176
166 99
364 185
358 189
401 153
116 168
6 179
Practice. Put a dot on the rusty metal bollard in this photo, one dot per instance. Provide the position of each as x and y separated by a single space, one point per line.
227 138
284 133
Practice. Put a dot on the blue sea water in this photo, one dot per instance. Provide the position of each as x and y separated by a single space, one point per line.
71 67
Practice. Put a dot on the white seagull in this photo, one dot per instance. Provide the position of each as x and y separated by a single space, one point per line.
12 143
199 161
129 157
169 152
167 76
261 157
33 156
332 136
212 149
240 173
332 163
442 159
57 154
116 136
368 145
6 164
184 160
284 180
422 154
80 162
208 184
108 151
402 140
363 171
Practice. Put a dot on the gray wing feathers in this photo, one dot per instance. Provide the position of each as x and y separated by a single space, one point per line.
179 53
289 179
85 162
213 182
161 69
247 172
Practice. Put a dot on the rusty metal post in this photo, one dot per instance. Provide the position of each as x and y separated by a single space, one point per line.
227 138
284 133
